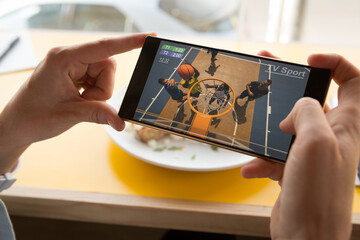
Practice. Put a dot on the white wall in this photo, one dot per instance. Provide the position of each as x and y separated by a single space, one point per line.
332 22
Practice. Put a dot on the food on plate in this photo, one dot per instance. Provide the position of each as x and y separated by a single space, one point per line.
146 134
160 140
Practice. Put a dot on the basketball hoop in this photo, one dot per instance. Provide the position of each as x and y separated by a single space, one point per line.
217 100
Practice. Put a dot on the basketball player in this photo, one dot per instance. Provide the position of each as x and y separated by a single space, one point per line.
221 94
212 68
213 54
189 82
173 90
255 90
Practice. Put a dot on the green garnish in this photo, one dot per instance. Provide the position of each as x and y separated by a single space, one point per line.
159 149
193 157
175 148
214 148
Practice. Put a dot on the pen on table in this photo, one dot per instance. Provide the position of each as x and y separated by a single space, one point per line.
9 48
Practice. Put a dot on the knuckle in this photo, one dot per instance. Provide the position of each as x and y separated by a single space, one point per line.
58 55
112 62
95 117
307 102
54 51
349 115
319 140
107 94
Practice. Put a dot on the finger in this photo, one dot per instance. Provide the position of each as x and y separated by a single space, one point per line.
287 125
344 73
326 108
259 168
342 69
100 81
268 54
306 116
102 49
98 112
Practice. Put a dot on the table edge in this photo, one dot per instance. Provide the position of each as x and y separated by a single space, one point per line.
132 210
135 210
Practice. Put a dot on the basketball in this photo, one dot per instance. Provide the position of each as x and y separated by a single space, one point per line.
186 71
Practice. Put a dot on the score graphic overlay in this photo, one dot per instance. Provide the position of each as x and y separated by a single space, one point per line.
222 97
172 51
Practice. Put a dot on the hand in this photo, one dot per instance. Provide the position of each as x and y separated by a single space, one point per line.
317 182
171 83
49 102
249 91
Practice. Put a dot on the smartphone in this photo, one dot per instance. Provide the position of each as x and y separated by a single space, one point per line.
228 99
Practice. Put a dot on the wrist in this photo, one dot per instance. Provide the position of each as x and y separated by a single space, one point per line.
11 142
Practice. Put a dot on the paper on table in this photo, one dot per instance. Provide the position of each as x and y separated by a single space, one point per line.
21 57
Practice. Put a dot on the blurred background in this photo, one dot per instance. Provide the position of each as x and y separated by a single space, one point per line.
315 22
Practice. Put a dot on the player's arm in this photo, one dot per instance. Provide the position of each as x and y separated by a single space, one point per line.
208 86
171 83
248 88
196 72
227 97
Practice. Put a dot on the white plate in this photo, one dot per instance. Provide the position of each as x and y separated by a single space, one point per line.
193 156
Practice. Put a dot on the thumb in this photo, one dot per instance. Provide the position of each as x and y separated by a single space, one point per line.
304 115
101 113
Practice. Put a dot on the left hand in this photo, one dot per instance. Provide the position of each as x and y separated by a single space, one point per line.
49 102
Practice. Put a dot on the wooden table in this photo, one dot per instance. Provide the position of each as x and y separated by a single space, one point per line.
82 175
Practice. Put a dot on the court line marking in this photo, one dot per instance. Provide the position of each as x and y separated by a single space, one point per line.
236 123
287 75
267 115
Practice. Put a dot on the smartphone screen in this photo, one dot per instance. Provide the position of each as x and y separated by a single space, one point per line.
225 98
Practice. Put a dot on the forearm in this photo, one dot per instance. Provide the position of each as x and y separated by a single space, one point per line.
9 154
9 160
11 141
248 88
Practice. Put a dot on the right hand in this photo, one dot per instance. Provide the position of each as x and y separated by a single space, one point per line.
317 182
